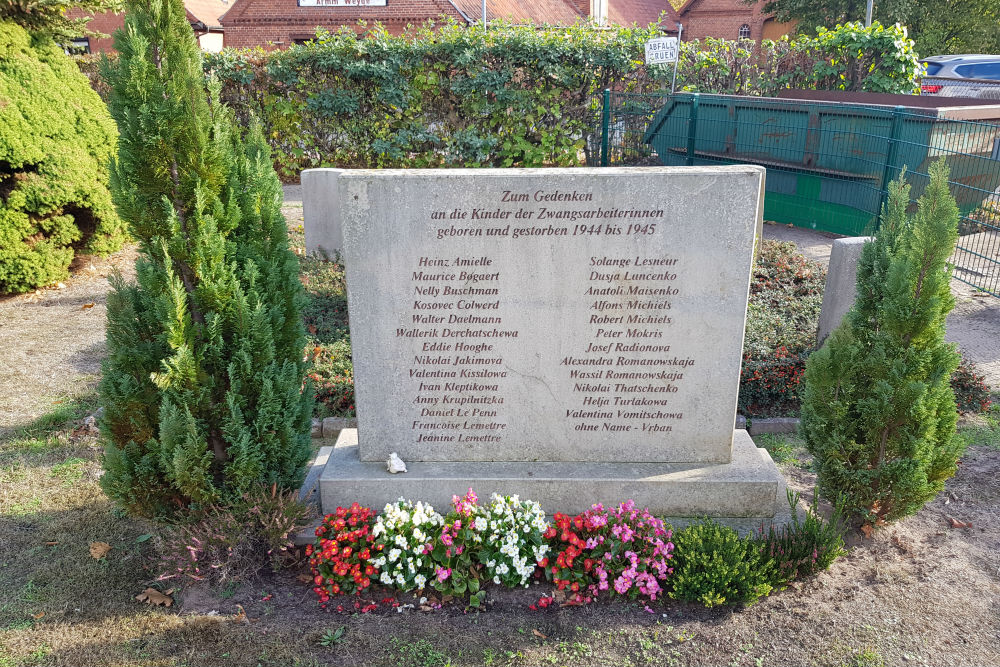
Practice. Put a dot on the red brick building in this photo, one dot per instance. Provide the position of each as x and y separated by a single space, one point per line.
729 19
280 23
203 15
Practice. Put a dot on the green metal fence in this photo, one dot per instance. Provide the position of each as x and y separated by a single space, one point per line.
828 164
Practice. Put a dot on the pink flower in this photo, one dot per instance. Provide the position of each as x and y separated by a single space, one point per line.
443 573
458 524
447 539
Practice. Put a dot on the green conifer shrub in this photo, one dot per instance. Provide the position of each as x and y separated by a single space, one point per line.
713 565
56 138
878 410
203 386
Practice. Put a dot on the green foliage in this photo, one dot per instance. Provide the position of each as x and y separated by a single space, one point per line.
850 56
714 565
332 637
203 384
786 294
952 26
803 547
50 17
971 391
523 96
56 138
878 411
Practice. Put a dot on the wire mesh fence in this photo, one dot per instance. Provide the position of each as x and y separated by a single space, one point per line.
828 164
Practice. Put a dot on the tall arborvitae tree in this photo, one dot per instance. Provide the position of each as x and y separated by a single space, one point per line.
203 385
878 411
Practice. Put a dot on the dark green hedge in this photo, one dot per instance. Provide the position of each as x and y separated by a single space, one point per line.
513 95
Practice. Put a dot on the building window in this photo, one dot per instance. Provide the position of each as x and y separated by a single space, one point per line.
744 31
78 46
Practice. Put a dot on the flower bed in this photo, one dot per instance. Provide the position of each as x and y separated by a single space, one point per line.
622 551
786 295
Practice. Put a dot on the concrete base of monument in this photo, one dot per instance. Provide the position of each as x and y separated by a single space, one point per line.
748 487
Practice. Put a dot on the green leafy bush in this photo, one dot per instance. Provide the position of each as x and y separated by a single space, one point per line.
56 139
878 412
713 565
803 547
204 385
524 96
876 59
971 391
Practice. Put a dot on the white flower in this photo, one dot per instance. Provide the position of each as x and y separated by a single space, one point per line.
400 541
401 580
480 523
394 555
420 580
385 578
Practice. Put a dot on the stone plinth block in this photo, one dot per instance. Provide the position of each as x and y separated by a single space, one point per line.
745 487
841 278
321 212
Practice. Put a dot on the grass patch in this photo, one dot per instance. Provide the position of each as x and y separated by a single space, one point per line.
69 471
985 431
867 657
63 412
419 653
784 449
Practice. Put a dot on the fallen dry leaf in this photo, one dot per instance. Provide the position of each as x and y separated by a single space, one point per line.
539 634
87 305
426 607
559 596
955 523
154 597
99 549
51 544
867 529
241 615
38 615
305 578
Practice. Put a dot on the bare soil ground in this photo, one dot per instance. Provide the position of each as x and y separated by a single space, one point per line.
919 593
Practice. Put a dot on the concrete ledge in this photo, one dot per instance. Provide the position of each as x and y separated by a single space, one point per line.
747 487
332 426
312 477
774 425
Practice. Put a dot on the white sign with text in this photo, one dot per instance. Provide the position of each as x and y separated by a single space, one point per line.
661 50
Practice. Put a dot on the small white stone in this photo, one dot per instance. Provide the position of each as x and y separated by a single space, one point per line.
395 464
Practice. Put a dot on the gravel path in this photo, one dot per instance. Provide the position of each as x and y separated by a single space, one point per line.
974 323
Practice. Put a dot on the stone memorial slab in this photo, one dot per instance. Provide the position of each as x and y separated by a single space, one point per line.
524 326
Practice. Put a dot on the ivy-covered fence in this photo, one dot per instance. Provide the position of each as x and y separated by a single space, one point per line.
511 95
